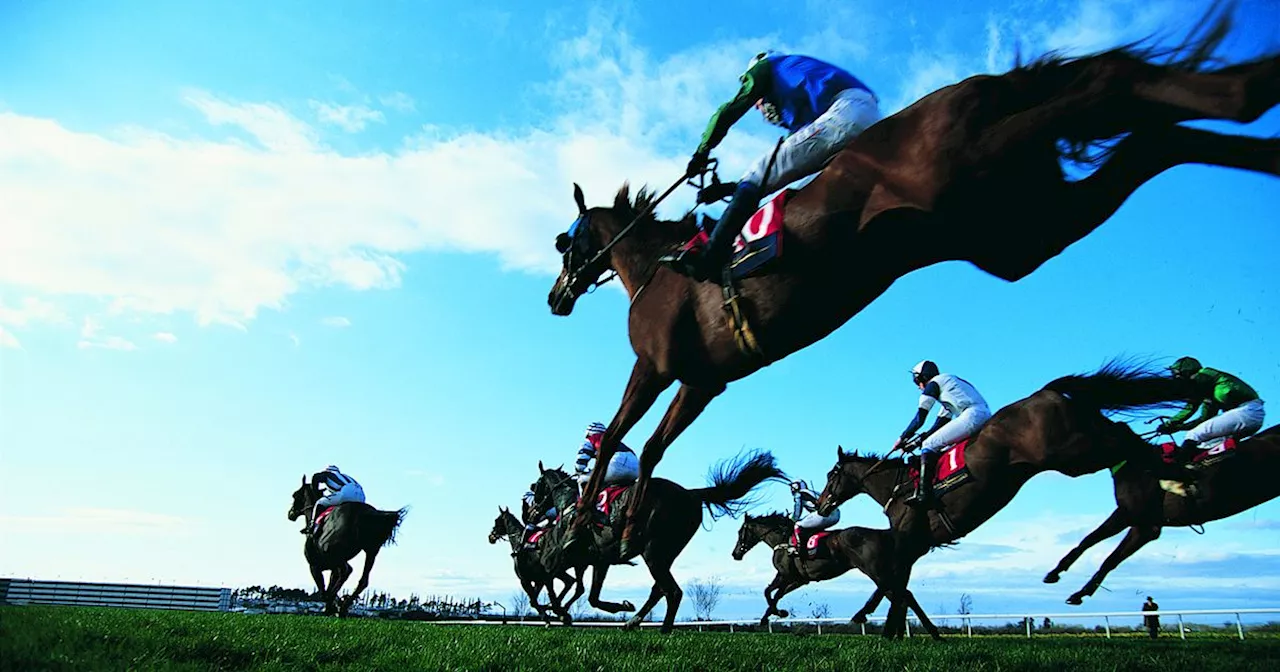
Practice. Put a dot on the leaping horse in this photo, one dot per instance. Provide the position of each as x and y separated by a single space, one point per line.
1235 484
970 172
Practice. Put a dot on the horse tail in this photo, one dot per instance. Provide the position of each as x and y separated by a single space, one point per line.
732 480
385 524
1124 386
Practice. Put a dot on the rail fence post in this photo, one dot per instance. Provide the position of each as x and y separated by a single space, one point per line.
968 626
1239 628
908 622
864 627
819 627
770 627
1027 621
1107 620
730 628
1182 631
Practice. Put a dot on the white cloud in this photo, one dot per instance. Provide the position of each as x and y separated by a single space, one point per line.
271 125
31 311
398 101
165 337
8 340
293 338
90 328
350 118
336 321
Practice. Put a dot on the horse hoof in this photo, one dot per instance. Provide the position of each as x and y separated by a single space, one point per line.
1075 600
783 613
632 624
1051 577
627 606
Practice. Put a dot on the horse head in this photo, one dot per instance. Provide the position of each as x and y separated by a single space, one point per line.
748 536
304 498
499 525
581 261
844 481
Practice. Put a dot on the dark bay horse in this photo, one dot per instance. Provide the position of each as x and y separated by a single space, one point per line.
533 576
352 527
666 528
1061 428
1231 486
867 550
970 172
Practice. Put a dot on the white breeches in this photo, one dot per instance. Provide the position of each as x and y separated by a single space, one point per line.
958 429
812 521
1241 421
806 151
352 492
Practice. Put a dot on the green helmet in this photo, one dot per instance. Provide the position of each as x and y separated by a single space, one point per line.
1185 367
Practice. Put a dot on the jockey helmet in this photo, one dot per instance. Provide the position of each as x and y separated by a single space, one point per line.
1185 367
924 371
595 428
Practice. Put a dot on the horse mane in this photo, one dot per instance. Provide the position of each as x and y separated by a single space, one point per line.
1192 54
775 517
646 197
854 456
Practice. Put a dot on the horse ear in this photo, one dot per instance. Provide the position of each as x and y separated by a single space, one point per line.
840 455
540 467
304 480
577 197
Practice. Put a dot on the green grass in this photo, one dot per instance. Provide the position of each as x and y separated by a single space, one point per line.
66 638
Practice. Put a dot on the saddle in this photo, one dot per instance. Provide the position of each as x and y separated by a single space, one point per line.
812 545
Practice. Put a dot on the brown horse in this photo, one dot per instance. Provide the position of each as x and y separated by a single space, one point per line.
1235 484
1060 428
970 172
867 550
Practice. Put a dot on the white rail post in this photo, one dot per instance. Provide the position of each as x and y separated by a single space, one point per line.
1107 620
908 622
1027 621
968 626
1182 631
1239 627
864 627
819 627
770 627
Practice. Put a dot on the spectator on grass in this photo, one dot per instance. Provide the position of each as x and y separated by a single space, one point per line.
1151 622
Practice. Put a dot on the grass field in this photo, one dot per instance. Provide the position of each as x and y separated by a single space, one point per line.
66 638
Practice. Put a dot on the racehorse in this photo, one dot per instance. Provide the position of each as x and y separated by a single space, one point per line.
1237 482
533 576
349 528
664 532
1060 427
970 172
870 551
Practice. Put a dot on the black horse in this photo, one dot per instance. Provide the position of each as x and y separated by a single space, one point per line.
531 572
662 533
352 527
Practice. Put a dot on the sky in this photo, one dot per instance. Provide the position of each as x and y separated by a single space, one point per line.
241 242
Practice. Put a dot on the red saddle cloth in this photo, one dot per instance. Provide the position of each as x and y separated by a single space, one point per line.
324 513
532 541
812 544
760 240
604 502
951 468
1205 455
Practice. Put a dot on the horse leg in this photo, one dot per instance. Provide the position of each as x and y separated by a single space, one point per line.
576 584
369 557
1109 528
688 404
1139 536
337 577
664 585
598 572
924 618
642 390
778 594
1066 212
872 602
1240 93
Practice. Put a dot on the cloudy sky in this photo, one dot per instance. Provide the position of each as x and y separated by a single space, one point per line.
239 243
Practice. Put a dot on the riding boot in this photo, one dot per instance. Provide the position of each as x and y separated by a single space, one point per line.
706 263
800 537
923 496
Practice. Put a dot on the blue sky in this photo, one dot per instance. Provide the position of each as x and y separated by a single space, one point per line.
238 244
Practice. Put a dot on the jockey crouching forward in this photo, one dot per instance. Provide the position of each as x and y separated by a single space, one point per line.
821 105
623 468
806 516
336 488
1242 412
963 412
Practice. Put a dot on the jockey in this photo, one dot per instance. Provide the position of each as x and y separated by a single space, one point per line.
822 106
337 488
806 500
623 469
963 412
1242 412
534 518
